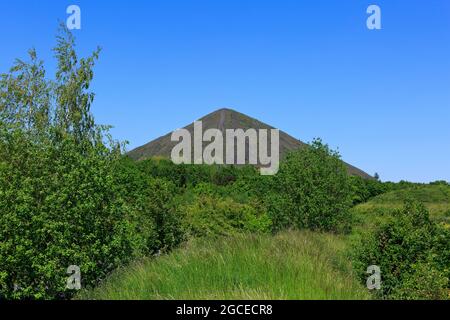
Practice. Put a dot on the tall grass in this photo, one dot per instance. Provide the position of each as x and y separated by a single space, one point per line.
290 265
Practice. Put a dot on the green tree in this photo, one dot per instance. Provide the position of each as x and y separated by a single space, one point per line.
314 189
60 201
25 96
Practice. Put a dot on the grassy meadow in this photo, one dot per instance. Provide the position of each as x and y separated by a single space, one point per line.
289 265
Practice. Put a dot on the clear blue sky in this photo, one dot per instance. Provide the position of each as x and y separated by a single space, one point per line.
310 68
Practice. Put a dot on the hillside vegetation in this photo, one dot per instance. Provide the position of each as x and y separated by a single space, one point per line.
436 199
411 250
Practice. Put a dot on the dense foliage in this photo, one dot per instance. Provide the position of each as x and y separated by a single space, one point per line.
313 189
210 215
62 201
365 189
413 254
58 207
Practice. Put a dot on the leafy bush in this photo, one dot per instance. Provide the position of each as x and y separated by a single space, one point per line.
58 208
208 216
313 190
184 175
425 282
157 219
410 249
150 199
163 168
280 210
365 189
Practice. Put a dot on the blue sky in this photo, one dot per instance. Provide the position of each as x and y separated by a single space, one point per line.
310 68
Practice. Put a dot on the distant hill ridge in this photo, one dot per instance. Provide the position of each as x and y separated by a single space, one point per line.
223 119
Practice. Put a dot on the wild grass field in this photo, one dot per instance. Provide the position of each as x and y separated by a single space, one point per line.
289 265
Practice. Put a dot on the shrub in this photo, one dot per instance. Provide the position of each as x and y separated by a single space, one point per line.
150 200
410 249
365 189
157 219
213 216
280 208
58 207
314 190
163 168
425 282
185 175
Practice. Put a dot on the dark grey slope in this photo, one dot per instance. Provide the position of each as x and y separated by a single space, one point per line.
224 119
